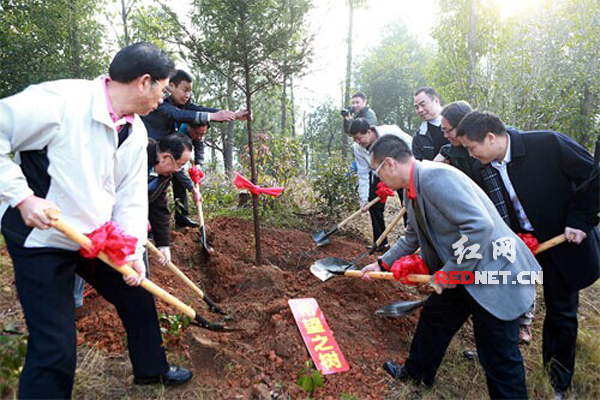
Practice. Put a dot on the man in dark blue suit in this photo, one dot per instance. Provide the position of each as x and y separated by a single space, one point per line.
549 185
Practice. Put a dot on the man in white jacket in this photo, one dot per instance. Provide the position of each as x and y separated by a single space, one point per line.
364 135
80 146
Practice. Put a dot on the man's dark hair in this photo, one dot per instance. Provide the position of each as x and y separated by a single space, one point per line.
138 59
476 125
390 146
359 125
456 111
429 91
360 94
174 144
180 75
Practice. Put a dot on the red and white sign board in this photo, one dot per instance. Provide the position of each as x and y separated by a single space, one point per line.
317 336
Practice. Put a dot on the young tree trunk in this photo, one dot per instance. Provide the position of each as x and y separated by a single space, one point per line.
348 75
228 132
124 18
252 166
75 46
292 110
472 50
283 104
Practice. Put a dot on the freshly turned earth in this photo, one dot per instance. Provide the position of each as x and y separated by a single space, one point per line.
269 350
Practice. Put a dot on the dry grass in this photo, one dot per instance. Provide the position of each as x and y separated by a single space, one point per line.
459 378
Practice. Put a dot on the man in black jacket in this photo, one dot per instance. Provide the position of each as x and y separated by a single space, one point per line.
429 139
166 157
549 185
178 109
360 109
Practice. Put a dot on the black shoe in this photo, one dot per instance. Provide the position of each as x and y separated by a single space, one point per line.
470 355
380 249
174 376
184 222
396 371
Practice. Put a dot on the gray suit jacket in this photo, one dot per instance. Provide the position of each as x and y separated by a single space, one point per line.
453 205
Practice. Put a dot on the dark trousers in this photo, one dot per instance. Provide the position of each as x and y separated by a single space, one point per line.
181 199
45 279
560 326
376 210
497 343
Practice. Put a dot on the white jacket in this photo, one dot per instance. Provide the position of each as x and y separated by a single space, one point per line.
90 180
363 157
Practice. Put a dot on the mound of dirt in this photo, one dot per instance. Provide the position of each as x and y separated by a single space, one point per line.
269 352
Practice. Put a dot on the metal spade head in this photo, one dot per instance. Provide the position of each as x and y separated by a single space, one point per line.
400 308
215 327
321 238
203 240
329 267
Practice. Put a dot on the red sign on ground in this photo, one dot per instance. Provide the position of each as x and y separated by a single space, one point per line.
317 336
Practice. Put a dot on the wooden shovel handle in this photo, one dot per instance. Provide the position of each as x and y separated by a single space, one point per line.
389 276
359 212
391 226
126 270
551 243
199 207
177 271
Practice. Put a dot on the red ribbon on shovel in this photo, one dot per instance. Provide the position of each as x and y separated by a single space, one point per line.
242 183
383 192
530 241
110 239
408 265
196 174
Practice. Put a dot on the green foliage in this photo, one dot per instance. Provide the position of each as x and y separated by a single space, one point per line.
48 40
308 378
321 134
390 73
13 347
219 194
171 326
335 186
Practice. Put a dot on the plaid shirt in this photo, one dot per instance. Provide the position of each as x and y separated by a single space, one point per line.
493 183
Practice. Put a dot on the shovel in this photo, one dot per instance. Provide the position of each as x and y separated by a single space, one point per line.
329 267
205 244
321 238
126 270
402 308
213 306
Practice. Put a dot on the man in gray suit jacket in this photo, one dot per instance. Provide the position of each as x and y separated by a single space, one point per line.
447 214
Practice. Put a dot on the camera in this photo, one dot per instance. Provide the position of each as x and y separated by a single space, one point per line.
347 111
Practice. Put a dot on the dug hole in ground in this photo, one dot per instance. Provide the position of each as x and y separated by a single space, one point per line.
268 354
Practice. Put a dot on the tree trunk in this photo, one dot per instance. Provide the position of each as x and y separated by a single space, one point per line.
124 18
75 46
472 51
283 104
348 76
248 94
228 132
292 109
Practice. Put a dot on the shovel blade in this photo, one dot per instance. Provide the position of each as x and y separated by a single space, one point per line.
400 308
215 327
329 267
321 238
203 240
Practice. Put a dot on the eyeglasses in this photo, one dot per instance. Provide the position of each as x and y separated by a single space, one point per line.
376 172
177 166
447 131
166 92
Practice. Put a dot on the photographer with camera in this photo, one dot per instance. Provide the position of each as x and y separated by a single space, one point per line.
359 109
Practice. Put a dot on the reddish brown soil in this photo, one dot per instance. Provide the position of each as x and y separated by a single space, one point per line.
270 349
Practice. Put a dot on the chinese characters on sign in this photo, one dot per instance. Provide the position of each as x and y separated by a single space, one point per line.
317 336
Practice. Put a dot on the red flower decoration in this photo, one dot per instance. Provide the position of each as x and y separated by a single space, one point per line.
383 192
110 239
407 265
196 174
530 241
242 183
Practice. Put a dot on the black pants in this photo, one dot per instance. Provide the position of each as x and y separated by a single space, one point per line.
45 279
497 343
560 326
376 210
181 199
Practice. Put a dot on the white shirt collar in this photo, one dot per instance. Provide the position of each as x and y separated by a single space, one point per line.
507 156
435 122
